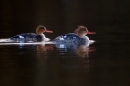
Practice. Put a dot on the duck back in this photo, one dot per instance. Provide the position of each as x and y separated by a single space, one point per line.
69 38
69 41
26 37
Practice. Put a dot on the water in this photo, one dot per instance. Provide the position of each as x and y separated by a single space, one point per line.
104 63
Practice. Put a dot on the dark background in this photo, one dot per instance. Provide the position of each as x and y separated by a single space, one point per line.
63 16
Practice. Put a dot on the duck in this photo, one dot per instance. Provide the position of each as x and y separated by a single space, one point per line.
32 37
74 39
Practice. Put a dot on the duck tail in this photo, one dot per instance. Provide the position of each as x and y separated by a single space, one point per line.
5 40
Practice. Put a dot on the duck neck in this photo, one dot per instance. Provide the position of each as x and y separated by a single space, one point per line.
80 35
43 36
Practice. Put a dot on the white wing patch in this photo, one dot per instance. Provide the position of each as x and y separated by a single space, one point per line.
65 36
61 38
21 37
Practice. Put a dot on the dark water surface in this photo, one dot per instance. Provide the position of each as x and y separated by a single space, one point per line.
104 63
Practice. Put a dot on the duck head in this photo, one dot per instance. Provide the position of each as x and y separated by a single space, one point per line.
42 29
82 31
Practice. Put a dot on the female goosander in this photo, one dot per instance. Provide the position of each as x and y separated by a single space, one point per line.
77 38
32 37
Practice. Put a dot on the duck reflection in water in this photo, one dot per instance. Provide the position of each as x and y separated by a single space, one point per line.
42 48
82 51
42 51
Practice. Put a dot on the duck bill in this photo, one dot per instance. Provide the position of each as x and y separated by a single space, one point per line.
49 31
91 32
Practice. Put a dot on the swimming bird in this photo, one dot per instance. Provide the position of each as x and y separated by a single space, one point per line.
32 37
74 39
